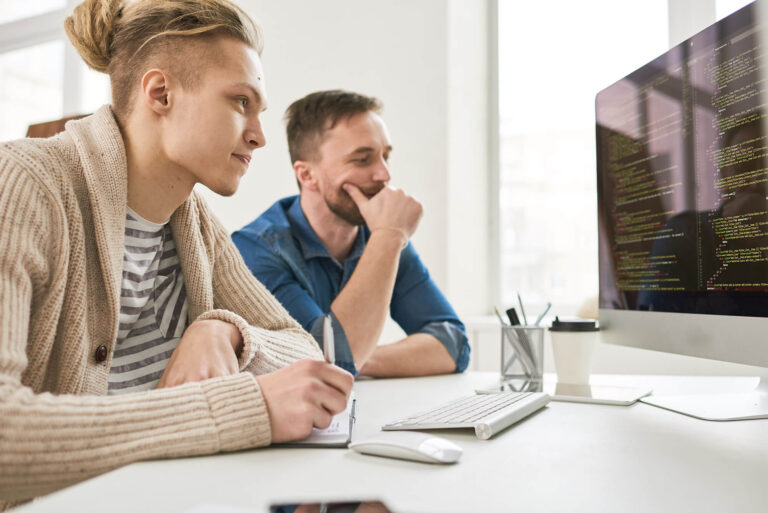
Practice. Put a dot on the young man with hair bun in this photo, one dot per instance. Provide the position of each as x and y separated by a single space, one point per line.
131 329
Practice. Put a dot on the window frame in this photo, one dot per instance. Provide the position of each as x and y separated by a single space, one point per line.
44 28
686 17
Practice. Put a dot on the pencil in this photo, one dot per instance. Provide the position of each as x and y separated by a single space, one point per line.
522 310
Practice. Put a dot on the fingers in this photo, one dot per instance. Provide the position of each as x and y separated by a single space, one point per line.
356 194
198 357
163 383
326 373
333 401
231 365
328 388
322 418
336 377
305 394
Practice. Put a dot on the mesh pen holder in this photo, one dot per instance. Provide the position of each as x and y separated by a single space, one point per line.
522 352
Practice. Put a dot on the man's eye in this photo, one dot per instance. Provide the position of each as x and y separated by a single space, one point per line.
242 101
362 161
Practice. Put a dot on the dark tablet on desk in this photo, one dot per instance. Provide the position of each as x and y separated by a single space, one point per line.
331 507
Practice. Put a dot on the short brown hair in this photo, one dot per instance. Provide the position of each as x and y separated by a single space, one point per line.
309 118
121 38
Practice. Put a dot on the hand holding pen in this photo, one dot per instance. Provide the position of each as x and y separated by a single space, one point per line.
295 402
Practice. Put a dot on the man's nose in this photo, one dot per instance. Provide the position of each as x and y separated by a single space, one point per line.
254 135
381 173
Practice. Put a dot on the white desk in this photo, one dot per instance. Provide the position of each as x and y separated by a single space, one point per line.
568 457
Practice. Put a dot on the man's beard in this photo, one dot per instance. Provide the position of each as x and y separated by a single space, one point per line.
344 206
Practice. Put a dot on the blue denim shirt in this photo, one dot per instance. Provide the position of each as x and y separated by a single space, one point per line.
284 253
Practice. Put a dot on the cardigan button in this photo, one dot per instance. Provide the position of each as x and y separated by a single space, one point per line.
101 353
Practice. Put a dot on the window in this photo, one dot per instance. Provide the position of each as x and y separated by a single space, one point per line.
11 10
41 76
30 87
548 213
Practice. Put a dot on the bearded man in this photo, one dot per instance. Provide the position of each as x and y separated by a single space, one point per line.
341 247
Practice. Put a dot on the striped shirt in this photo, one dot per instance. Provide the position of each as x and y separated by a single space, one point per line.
153 306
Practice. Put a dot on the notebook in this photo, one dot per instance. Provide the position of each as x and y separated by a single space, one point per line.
338 434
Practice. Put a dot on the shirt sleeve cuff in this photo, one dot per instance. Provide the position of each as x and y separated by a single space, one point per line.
239 411
344 358
250 344
453 339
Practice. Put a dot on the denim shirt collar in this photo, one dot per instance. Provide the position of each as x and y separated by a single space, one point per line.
311 245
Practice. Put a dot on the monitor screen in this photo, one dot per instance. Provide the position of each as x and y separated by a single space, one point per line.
683 178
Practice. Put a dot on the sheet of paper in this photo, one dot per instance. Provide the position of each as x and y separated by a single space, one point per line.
338 434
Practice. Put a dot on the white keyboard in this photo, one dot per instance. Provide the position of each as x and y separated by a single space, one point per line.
487 413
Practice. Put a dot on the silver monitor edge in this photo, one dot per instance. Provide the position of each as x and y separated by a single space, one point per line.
734 339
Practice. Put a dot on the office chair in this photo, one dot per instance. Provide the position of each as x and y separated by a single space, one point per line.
50 128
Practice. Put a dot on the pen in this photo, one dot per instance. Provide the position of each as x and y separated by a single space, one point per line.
520 351
542 314
501 319
513 358
328 343
514 320
522 310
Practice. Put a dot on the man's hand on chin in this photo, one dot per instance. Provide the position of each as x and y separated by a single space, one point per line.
389 209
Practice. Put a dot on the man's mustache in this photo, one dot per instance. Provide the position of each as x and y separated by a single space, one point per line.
369 191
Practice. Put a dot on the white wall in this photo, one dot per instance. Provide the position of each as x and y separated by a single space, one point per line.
427 60
395 51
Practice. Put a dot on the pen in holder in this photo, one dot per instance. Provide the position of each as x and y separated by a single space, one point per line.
522 352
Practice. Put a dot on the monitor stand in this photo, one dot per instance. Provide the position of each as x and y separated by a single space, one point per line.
569 393
733 406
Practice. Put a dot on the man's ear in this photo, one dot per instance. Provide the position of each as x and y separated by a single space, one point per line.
305 175
156 91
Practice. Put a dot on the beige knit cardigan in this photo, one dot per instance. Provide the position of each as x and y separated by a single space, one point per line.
62 221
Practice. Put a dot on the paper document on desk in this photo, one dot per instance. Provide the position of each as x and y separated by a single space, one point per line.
338 434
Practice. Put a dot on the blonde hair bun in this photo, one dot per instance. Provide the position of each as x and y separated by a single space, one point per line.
123 37
90 29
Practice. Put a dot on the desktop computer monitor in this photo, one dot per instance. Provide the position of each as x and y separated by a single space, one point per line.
682 162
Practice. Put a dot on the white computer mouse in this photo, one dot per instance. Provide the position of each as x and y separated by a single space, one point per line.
409 445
